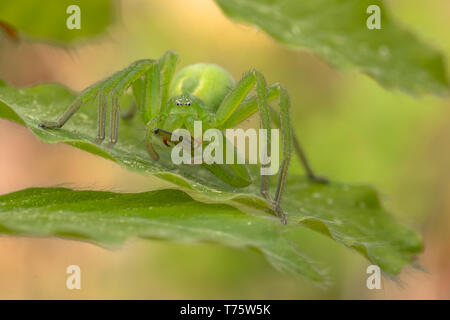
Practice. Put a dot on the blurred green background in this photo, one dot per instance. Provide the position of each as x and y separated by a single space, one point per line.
352 129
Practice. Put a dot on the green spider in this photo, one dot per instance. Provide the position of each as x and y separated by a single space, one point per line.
202 92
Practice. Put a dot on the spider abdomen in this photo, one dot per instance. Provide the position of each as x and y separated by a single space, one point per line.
207 81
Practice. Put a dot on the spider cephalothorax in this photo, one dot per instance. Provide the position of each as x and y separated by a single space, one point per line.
200 92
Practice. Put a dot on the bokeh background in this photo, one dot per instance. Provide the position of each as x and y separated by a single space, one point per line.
352 129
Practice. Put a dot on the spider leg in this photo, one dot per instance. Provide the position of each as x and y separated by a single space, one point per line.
116 87
114 120
100 89
150 89
263 106
299 151
150 81
154 96
86 95
103 95
250 105
151 105
102 106
230 105
167 66
233 99
286 133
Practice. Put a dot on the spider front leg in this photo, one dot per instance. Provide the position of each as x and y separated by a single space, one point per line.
286 134
152 95
250 105
231 103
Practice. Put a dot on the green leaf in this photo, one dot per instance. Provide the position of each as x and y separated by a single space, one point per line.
46 20
351 215
108 218
336 30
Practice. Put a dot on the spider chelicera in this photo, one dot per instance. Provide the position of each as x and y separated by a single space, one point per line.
200 92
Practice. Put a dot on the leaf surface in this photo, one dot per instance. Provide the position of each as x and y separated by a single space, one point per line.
47 20
337 31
